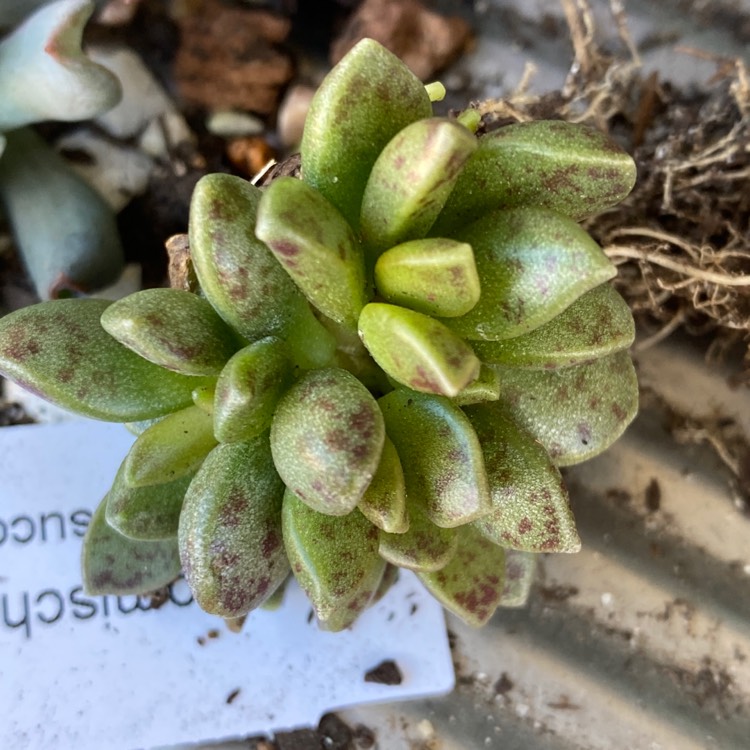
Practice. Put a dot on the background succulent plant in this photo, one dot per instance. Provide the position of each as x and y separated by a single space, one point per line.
385 366
64 230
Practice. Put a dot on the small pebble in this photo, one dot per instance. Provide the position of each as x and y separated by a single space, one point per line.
230 124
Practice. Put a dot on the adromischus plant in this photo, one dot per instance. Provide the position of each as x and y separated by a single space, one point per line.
64 230
385 364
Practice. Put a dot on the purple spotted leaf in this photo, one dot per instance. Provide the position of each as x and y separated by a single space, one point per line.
362 103
230 536
315 246
60 351
532 265
327 437
248 389
423 547
530 509
113 564
595 325
172 448
149 513
440 454
384 501
416 350
433 276
411 180
172 328
335 560
575 413
520 572
237 272
572 169
471 585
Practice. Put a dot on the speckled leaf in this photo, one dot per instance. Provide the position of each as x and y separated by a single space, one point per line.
149 513
248 389
172 328
315 246
384 501
471 585
532 265
597 324
530 509
423 547
172 448
569 168
327 437
361 104
230 529
113 564
389 579
440 454
416 350
577 412
335 560
434 276
237 272
411 180
520 572
485 388
60 351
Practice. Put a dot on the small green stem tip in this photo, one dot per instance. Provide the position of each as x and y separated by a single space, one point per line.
471 119
436 91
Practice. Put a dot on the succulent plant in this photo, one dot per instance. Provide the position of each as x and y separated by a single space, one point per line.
64 230
382 364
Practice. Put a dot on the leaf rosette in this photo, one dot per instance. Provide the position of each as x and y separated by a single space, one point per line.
385 364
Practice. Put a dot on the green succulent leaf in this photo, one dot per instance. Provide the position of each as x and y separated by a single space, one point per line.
384 501
315 246
485 388
570 168
339 576
520 572
575 413
416 350
362 103
423 547
230 535
532 264
113 564
595 325
248 389
530 510
172 328
174 447
471 585
203 398
60 351
389 579
327 438
238 274
434 276
147 513
411 180
440 454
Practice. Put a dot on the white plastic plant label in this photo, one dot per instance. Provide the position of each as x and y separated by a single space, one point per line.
92 672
